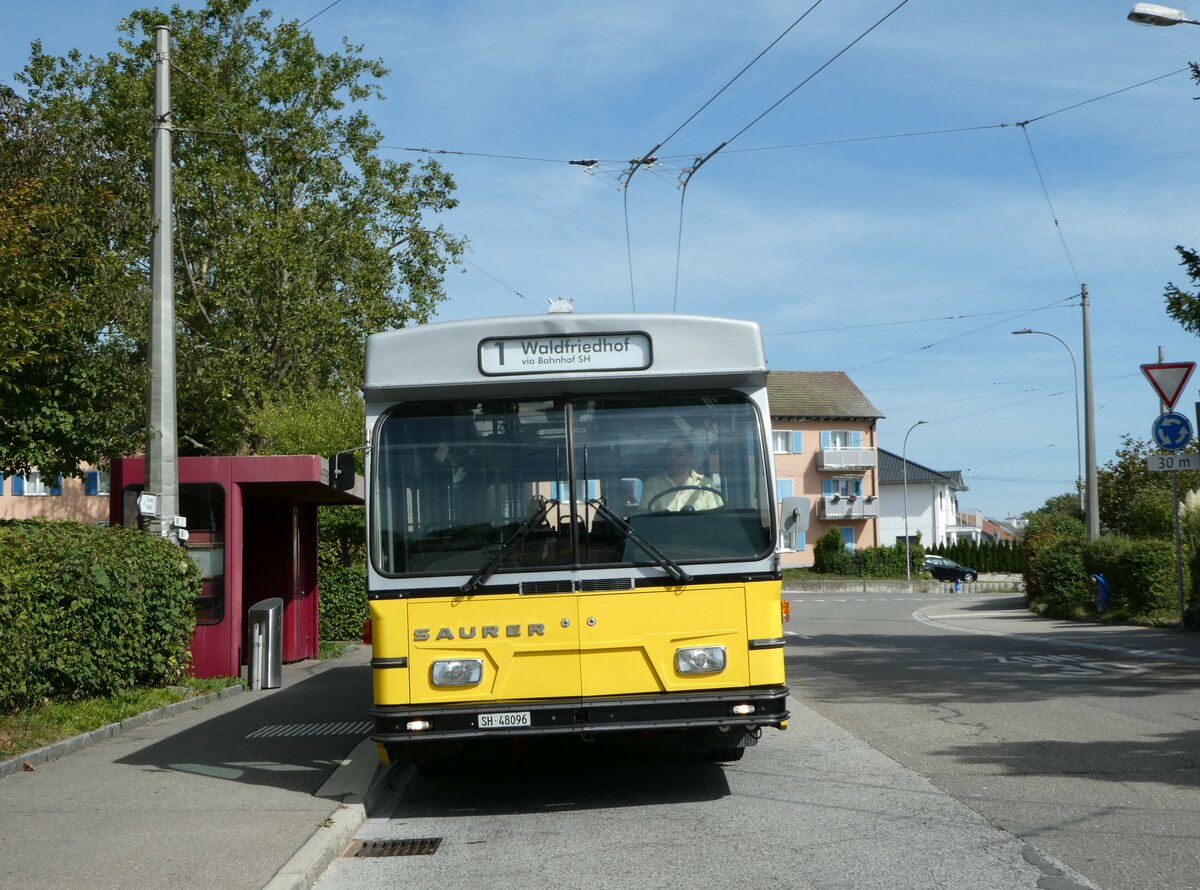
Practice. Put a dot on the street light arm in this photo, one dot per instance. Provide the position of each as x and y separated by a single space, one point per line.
1078 448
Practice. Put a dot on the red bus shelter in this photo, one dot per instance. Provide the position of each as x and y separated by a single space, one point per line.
252 528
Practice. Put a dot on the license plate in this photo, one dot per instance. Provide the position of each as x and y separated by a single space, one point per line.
504 720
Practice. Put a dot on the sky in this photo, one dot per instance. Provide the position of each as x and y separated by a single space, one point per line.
881 212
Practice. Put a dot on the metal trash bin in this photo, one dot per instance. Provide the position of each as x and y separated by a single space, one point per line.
265 629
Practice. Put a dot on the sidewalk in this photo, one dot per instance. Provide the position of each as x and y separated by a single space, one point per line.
247 790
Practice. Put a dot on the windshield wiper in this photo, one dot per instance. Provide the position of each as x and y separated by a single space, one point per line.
674 569
489 568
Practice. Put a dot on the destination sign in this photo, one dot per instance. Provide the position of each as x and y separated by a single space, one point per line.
624 351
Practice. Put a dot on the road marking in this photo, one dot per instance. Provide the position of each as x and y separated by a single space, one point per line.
1070 665
1042 639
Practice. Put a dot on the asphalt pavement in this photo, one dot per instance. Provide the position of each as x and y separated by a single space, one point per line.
264 789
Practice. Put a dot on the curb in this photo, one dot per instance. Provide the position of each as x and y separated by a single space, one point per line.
360 785
75 743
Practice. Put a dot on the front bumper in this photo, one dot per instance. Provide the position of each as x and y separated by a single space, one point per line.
639 713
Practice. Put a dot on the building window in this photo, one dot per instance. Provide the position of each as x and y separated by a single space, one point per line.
792 541
96 483
841 486
36 486
838 440
787 442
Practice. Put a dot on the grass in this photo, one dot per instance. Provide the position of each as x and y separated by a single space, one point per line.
52 721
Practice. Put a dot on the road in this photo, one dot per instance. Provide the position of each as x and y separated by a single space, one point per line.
920 756
1089 755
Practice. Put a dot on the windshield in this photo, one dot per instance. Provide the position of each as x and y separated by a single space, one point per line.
459 486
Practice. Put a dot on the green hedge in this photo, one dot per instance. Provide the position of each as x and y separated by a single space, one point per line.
87 611
1057 562
1140 573
983 556
830 557
343 601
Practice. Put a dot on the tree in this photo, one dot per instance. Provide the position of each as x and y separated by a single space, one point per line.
1066 504
1182 305
294 237
64 222
1135 501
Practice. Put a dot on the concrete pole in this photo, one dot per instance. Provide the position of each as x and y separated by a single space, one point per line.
1092 513
162 451
904 472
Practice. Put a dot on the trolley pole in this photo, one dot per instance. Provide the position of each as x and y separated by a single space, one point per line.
162 450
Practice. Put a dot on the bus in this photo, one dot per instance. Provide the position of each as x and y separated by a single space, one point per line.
571 526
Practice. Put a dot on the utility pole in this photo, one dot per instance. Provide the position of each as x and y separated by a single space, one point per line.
1092 514
162 450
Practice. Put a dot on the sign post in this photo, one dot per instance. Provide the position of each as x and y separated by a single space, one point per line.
1172 431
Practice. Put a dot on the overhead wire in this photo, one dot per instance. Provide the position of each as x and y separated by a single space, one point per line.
883 324
1045 191
648 156
1009 318
508 287
700 162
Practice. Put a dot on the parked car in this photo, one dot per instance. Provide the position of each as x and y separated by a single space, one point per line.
948 570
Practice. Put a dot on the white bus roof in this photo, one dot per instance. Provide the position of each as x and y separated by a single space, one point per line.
519 354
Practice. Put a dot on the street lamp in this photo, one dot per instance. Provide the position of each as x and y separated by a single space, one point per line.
1078 449
904 466
1153 14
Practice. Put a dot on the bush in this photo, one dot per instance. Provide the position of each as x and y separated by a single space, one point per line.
343 601
829 554
88 611
1140 574
1055 579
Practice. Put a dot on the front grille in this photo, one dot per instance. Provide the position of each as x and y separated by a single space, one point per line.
561 586
607 584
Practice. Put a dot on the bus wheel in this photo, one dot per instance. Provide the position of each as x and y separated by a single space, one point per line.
725 755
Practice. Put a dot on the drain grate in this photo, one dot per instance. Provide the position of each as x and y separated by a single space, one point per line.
419 846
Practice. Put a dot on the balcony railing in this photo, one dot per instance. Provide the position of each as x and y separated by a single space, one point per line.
848 507
846 459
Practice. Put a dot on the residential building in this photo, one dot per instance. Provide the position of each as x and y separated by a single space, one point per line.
79 499
824 440
931 499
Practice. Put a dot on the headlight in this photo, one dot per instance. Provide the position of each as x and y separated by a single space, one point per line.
700 660
456 672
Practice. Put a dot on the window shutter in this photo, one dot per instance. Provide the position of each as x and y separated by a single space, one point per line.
826 488
858 487
91 483
56 488
797 444
801 542
856 439
784 488
825 440
18 485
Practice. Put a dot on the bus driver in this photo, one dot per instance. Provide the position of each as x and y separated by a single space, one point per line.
679 487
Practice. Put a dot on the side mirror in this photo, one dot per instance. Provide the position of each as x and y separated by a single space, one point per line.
341 471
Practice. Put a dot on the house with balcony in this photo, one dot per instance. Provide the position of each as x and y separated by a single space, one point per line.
928 497
825 446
